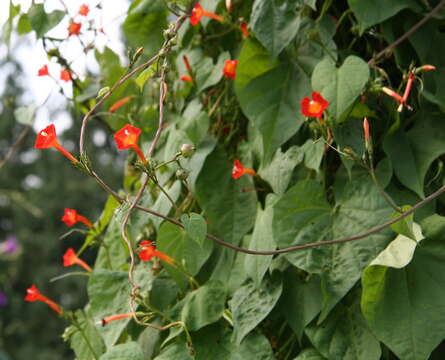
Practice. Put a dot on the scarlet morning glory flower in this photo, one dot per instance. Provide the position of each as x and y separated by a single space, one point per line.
186 78
33 294
119 103
70 258
229 68
239 170
84 10
43 71
148 251
198 12
74 28
127 137
314 107
47 138
71 217
65 75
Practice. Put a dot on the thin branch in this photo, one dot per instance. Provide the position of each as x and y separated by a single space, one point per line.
413 29
15 146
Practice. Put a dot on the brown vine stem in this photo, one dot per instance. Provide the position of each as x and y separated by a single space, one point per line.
406 35
15 146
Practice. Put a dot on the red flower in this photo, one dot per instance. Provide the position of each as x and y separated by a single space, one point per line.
198 12
74 28
127 137
229 68
70 258
65 75
366 129
119 103
314 107
393 94
243 28
43 71
148 251
71 217
84 10
108 319
239 170
33 294
47 138
186 78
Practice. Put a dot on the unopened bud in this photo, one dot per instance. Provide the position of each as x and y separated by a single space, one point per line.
182 174
393 94
137 54
187 150
366 129
426 68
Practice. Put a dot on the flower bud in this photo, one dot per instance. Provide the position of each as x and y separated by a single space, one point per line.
182 174
187 150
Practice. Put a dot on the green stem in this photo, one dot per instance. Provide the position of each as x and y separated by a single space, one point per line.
76 324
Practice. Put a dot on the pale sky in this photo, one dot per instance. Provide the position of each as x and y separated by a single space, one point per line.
31 55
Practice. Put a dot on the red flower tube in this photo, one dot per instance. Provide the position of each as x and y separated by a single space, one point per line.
366 129
47 138
393 94
70 258
109 319
239 170
43 71
74 28
84 10
33 294
148 251
314 107
229 68
71 217
119 103
198 12
127 137
243 28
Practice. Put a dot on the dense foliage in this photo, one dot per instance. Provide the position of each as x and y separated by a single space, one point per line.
290 110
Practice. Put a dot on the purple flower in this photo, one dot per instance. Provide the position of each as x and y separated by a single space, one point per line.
11 245
3 299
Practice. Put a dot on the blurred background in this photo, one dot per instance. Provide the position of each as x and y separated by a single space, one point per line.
36 185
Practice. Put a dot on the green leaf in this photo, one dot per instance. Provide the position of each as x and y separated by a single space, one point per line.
345 335
400 251
230 212
42 22
313 153
303 294
203 306
404 226
103 91
374 12
309 354
145 75
174 241
207 73
250 305
195 226
404 307
128 351
275 23
341 87
91 347
25 114
176 351
24 25
144 25
262 239
195 122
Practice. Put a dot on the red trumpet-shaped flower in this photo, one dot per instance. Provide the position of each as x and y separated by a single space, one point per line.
33 294
47 138
71 217
127 137
70 258
148 251
239 170
229 68
84 10
111 318
186 78
119 103
65 75
314 107
43 71
74 28
243 28
198 12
